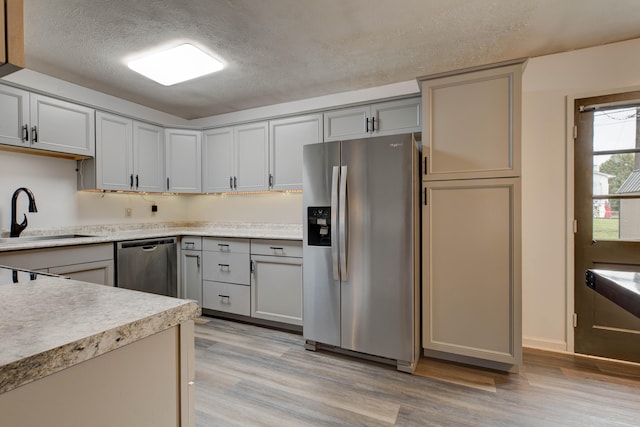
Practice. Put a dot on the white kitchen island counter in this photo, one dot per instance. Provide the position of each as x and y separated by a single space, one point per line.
99 347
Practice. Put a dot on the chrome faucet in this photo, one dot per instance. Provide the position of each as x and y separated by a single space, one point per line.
16 228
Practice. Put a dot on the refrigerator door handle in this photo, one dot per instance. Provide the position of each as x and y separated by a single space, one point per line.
343 223
334 222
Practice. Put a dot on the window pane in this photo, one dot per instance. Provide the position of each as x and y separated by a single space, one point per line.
606 219
616 174
614 129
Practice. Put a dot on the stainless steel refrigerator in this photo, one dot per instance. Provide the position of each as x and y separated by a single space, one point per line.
361 266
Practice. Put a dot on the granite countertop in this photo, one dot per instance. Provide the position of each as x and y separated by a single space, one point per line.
49 324
114 233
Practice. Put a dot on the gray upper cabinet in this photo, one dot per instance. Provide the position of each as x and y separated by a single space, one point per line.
472 125
236 158
62 126
42 123
183 154
129 154
286 139
148 157
384 118
217 160
251 157
14 117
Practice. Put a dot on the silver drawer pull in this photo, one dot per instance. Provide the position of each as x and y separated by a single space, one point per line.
276 249
222 298
190 245
224 266
224 247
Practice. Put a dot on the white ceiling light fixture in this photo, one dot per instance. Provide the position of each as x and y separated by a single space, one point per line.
175 65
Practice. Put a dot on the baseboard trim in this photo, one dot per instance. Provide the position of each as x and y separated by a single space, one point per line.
551 345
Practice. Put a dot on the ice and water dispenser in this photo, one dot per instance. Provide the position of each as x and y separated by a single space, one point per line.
319 226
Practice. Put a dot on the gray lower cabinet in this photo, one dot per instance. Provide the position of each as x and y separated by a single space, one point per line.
191 268
257 278
276 281
225 274
87 263
471 271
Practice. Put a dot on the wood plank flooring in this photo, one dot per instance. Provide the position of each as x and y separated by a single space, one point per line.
251 376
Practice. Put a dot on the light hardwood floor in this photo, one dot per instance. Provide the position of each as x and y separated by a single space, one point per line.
248 375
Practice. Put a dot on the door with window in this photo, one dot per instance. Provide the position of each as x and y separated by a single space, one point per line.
607 211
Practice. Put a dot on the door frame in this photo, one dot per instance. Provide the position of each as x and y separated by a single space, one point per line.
569 203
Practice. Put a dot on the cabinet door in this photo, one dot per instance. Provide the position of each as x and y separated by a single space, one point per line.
183 160
472 125
114 153
251 154
276 289
191 275
348 123
100 272
217 160
62 126
14 117
287 137
471 264
148 157
395 117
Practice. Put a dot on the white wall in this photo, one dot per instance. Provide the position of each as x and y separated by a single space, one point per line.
547 182
53 183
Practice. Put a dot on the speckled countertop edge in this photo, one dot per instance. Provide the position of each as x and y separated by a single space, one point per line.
118 232
38 341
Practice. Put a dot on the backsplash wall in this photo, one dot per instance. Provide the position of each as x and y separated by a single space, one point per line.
53 183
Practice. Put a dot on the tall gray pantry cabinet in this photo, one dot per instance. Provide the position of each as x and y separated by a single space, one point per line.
471 227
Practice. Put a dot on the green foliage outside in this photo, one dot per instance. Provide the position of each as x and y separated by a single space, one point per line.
620 166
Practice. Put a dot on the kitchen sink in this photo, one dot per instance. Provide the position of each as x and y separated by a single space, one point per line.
24 239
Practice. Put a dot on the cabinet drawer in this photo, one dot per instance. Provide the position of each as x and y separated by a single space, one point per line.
225 267
191 243
290 248
226 297
226 245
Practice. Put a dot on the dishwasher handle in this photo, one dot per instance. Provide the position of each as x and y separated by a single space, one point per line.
150 248
146 244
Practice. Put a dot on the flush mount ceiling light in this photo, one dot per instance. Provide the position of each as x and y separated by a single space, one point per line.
175 65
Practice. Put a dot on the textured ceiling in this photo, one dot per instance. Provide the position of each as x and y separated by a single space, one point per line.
284 50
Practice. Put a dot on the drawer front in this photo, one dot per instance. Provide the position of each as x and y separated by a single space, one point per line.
226 245
191 243
226 297
290 248
226 267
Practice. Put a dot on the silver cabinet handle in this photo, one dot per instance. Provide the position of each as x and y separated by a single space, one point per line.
224 266
342 224
224 247
34 134
25 133
270 180
231 182
275 249
235 183
334 222
222 298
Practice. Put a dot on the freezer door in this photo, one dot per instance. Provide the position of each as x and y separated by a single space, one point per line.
320 277
377 292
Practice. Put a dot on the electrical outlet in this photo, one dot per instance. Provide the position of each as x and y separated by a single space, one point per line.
127 211
154 208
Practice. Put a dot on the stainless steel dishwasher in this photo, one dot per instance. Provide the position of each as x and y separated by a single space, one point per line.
148 265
